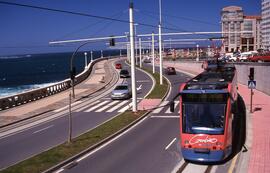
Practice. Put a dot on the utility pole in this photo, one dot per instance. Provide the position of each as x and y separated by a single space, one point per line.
153 52
197 59
136 60
160 46
140 49
133 75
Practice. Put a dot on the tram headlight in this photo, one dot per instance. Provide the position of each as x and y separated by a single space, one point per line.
186 142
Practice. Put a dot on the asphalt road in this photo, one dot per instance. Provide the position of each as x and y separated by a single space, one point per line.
152 146
87 114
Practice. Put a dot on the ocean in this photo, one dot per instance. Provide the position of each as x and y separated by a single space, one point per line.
26 72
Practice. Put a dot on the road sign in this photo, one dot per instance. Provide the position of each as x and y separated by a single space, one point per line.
251 84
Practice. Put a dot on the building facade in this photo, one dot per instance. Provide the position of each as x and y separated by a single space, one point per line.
265 24
234 22
251 41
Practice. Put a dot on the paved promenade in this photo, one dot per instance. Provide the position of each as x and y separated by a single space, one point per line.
259 147
99 77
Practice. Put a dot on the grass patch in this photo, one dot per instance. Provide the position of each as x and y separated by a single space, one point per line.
160 90
47 159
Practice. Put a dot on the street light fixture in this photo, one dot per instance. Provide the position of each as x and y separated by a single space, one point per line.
91 56
85 59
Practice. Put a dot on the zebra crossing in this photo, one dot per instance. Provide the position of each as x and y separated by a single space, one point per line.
108 106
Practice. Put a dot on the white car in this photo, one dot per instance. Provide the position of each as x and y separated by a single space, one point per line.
244 55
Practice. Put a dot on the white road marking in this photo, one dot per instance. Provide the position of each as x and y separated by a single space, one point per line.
143 81
107 106
175 104
86 106
66 107
139 88
168 116
60 170
43 129
168 146
95 107
126 107
117 106
161 107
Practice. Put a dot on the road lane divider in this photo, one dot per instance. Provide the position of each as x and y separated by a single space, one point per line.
168 146
45 128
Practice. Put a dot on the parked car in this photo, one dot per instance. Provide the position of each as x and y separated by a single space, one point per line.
118 66
245 55
124 73
260 58
170 71
121 91
224 58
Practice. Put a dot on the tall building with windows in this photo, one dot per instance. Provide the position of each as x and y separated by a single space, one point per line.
265 25
251 41
231 18
233 23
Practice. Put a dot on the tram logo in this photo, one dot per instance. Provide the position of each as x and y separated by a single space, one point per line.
202 139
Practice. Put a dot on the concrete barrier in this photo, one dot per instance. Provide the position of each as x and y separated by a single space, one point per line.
261 72
36 94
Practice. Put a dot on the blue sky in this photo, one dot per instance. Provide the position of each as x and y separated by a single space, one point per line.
26 31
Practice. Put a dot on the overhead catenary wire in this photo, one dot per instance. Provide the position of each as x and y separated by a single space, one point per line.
82 14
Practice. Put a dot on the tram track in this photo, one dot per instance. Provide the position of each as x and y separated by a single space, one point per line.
187 167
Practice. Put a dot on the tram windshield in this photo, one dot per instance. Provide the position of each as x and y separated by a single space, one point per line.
204 113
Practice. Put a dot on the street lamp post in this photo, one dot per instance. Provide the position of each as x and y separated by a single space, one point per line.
72 78
85 59
91 56
197 59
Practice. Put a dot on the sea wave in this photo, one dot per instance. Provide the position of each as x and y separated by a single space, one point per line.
9 91
15 57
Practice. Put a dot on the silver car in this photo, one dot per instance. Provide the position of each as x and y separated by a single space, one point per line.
121 91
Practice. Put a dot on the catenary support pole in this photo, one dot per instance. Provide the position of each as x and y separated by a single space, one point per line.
133 75
160 47
153 51
140 49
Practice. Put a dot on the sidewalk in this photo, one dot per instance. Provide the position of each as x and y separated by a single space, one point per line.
101 71
260 146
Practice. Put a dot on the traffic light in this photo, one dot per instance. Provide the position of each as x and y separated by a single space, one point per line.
112 42
251 73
